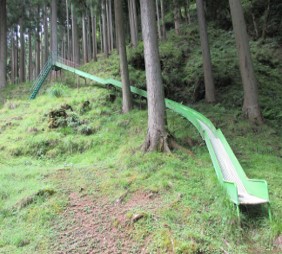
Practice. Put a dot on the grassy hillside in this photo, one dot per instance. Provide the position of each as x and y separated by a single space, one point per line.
85 185
92 165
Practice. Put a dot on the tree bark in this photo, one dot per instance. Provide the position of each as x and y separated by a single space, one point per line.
176 13
265 19
63 47
68 32
108 25
209 84
89 38
46 44
116 33
126 94
101 34
251 106
30 63
111 26
75 44
163 20
84 40
3 43
22 55
42 51
133 22
94 32
38 43
54 39
254 21
158 19
16 54
105 29
157 135
131 27
12 58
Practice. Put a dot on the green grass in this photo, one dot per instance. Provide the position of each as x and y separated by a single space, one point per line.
194 210
194 215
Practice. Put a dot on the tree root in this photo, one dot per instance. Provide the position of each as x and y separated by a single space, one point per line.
159 143
164 143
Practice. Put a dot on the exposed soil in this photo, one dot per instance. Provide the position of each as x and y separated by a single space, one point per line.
278 244
100 226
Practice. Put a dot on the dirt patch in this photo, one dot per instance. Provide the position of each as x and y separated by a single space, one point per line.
100 226
278 243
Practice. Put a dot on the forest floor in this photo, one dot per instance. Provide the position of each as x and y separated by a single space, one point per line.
84 186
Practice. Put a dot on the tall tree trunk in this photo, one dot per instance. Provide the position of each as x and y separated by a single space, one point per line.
42 51
22 56
133 22
101 34
46 44
38 45
209 84
158 19
94 34
265 19
111 26
30 63
75 44
12 58
89 39
116 33
108 25
131 27
105 29
17 55
61 48
126 94
68 32
251 106
54 44
157 135
84 40
254 20
176 13
163 20
3 43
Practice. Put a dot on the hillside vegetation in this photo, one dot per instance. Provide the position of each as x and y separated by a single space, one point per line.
96 154
70 160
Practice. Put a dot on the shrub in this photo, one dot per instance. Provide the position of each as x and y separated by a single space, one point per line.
57 90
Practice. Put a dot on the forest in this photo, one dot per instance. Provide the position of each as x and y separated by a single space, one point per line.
140 126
